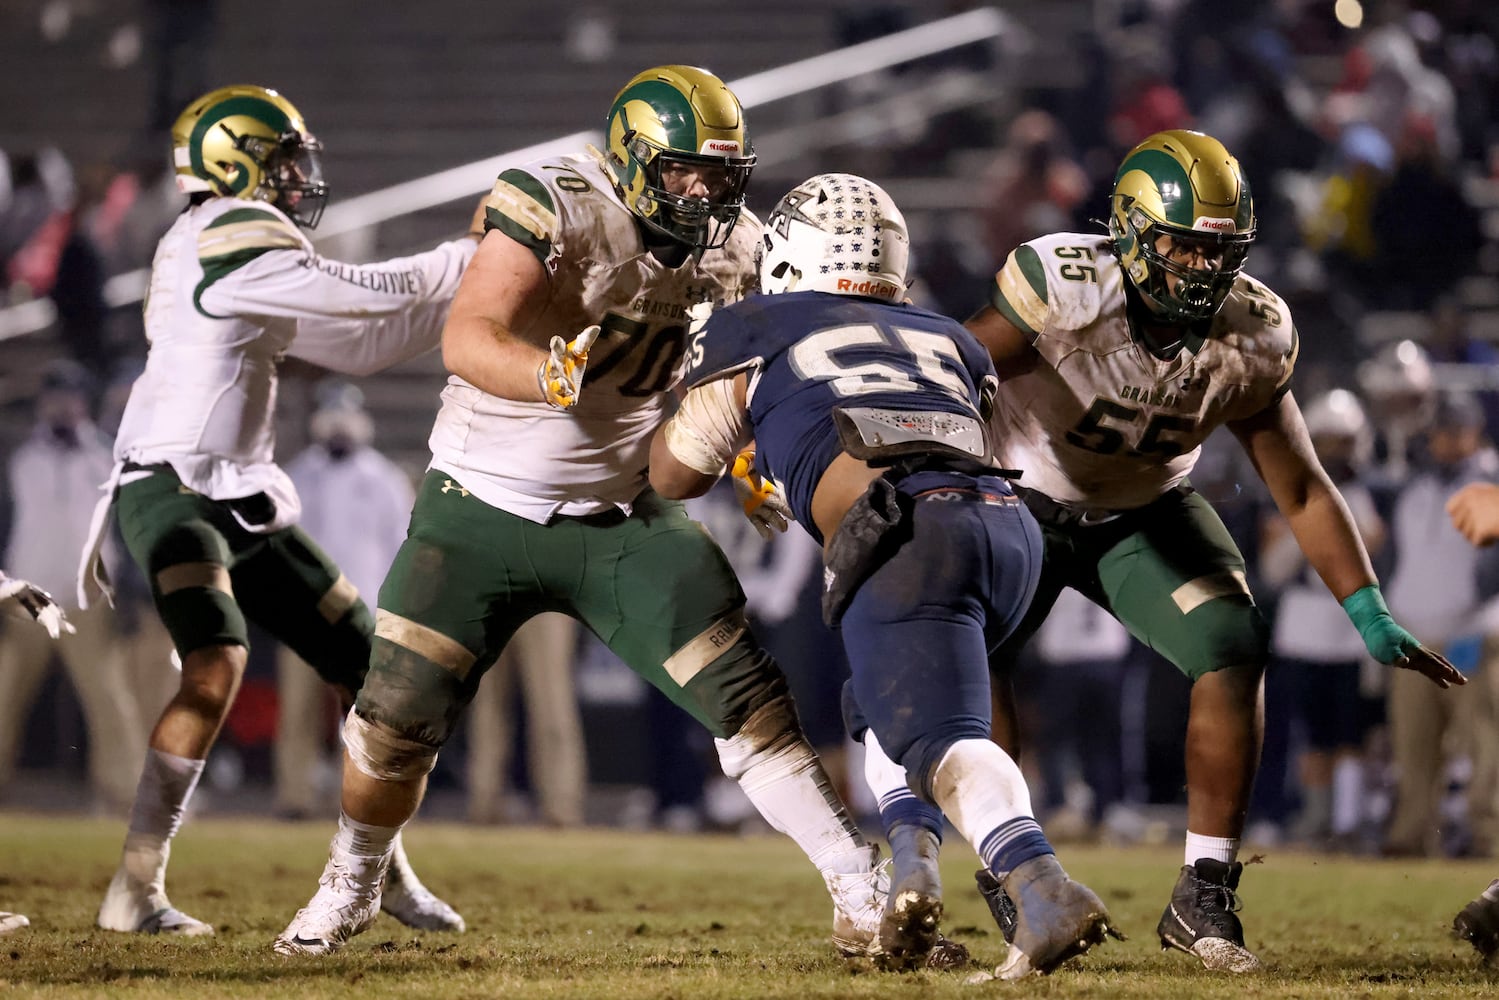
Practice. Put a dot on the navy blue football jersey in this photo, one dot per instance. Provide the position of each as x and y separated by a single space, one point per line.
809 353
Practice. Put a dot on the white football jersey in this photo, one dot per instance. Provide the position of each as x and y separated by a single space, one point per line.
1100 422
530 459
235 287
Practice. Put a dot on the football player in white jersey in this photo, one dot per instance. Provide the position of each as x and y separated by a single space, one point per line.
206 513
22 600
537 497
1118 355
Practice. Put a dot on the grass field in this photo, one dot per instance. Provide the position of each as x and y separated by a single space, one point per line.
623 915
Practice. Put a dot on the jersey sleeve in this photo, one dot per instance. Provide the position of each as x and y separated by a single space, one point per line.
719 349
1020 294
525 210
1289 365
263 267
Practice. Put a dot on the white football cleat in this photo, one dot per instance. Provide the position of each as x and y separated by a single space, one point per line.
342 907
12 922
135 908
859 906
412 903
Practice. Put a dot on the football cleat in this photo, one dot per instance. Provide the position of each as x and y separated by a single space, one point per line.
1056 918
908 932
859 907
1202 920
1001 906
12 922
413 904
342 907
133 908
1478 923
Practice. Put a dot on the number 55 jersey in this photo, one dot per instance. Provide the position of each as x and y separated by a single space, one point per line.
1101 421
532 460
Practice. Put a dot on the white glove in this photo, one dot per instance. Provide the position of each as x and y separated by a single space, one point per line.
763 502
21 600
561 374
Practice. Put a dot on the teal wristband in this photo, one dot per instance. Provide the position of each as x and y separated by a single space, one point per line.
1385 640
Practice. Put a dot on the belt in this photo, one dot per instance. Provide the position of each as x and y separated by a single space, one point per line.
969 495
1063 515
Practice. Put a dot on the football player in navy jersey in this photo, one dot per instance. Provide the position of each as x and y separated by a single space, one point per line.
871 412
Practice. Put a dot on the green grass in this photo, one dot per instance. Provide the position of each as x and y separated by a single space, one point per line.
622 915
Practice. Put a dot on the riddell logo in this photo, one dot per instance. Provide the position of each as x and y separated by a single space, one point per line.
870 286
720 146
1215 225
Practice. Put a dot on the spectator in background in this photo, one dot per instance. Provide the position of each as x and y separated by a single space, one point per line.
1079 694
539 657
1429 235
1318 654
23 601
1034 186
1474 511
355 501
1435 587
54 484
1342 227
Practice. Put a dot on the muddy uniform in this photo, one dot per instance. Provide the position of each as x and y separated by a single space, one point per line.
954 575
205 511
1106 434
527 509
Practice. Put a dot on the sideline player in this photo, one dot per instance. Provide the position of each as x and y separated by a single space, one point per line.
1474 511
19 599
867 411
537 499
1117 356
205 511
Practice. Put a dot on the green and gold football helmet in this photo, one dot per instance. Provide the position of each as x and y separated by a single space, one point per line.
1185 185
674 118
250 142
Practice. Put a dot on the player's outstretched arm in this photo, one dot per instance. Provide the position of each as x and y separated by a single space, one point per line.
489 340
1277 442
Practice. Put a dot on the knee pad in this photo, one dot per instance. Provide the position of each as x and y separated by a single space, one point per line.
772 729
411 695
190 581
383 754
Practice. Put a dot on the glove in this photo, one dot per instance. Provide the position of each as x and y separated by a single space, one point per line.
762 500
21 600
561 375
1392 645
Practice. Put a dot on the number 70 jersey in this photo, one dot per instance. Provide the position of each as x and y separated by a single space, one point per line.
1101 422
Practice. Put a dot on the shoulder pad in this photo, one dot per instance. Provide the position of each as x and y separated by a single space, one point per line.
522 207
1259 321
235 237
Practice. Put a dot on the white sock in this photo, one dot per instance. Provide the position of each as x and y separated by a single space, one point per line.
1492 892
788 786
363 849
984 795
886 778
1225 849
1347 795
166 785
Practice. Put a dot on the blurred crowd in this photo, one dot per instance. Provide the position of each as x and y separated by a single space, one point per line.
1373 152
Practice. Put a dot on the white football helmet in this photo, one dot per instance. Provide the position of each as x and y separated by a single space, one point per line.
836 233
1339 414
